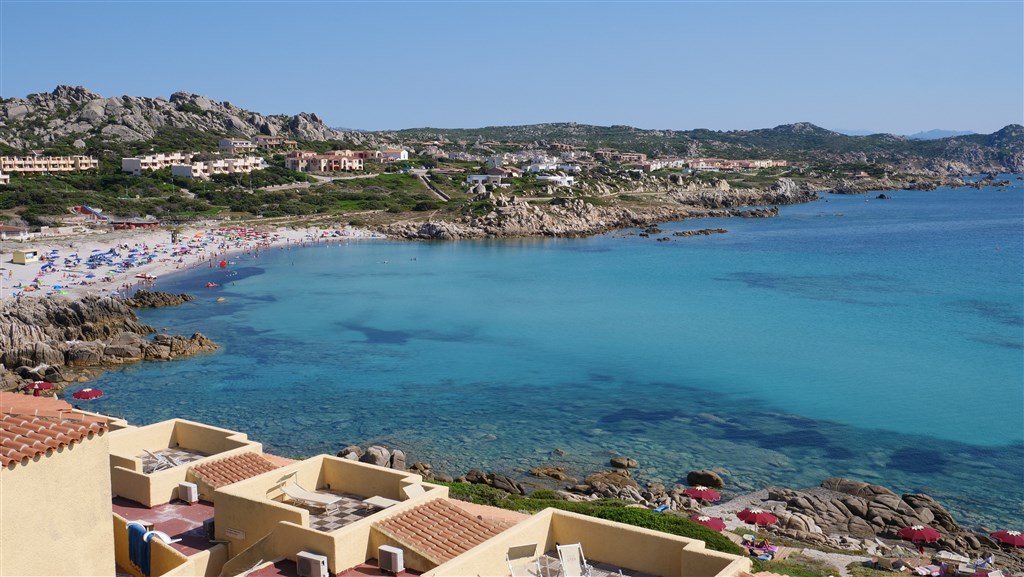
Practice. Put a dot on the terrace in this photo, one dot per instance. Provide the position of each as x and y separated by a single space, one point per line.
148 463
609 548
262 519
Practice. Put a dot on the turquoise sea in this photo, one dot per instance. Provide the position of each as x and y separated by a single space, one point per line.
881 340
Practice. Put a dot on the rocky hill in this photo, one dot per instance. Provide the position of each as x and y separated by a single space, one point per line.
1001 151
73 115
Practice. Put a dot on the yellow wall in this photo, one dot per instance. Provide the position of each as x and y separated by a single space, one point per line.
273 529
161 487
623 545
167 561
55 513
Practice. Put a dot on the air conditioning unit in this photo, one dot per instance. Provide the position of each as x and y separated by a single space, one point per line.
188 492
311 564
208 530
390 559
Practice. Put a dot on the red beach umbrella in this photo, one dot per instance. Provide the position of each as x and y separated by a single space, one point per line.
920 533
757 517
709 522
701 492
1014 538
39 386
87 394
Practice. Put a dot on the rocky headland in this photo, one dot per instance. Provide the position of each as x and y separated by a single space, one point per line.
62 340
498 216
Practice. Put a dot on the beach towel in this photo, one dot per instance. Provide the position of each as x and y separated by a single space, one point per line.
138 548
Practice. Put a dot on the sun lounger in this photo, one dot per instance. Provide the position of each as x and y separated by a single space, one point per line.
522 561
574 564
311 498
413 491
160 462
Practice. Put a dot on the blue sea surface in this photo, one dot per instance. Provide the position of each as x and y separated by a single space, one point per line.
881 340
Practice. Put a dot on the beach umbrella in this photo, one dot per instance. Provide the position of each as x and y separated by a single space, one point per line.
919 533
701 492
757 517
1014 538
39 386
87 394
710 522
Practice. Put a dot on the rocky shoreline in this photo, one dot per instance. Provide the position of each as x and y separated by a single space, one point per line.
840 514
64 341
598 208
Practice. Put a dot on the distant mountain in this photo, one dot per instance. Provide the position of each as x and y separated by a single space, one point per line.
74 114
938 133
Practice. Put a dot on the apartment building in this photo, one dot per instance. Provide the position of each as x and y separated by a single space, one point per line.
45 164
135 165
264 142
204 170
716 164
608 154
332 161
56 486
180 498
5 178
236 145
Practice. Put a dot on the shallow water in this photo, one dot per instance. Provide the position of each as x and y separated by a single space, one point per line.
884 344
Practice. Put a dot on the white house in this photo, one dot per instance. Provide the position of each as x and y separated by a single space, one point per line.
558 180
541 167
5 178
393 155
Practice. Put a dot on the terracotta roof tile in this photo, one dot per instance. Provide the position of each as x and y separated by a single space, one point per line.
32 426
233 469
438 530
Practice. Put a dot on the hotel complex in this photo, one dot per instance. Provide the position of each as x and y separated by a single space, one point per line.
136 165
44 164
85 494
206 169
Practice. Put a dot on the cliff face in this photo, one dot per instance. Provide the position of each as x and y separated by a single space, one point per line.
41 339
74 111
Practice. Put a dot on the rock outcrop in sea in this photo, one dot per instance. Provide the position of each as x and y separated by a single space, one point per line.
59 339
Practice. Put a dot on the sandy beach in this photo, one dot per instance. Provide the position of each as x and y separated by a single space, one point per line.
120 262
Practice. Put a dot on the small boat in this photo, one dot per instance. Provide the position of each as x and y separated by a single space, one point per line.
145 276
212 285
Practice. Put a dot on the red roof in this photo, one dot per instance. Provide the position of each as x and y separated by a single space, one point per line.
32 426
438 530
233 469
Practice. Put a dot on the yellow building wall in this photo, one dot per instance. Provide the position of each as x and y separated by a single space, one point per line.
623 545
263 528
161 487
55 513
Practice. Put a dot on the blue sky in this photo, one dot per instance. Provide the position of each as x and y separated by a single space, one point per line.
886 66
